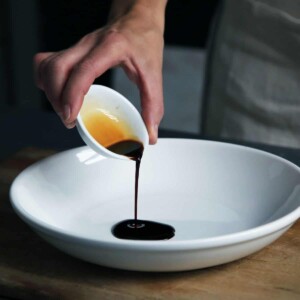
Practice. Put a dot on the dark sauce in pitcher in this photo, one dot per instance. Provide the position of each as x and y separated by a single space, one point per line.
135 229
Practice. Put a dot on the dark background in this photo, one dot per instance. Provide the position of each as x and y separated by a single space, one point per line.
30 26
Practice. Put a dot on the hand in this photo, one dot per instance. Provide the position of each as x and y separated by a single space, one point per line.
133 41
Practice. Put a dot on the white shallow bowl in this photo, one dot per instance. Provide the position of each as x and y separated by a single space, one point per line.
225 202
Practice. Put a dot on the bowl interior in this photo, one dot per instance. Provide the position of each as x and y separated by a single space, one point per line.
204 189
115 106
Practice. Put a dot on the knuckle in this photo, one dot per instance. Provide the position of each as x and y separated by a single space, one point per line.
88 38
43 68
38 58
85 66
54 66
117 39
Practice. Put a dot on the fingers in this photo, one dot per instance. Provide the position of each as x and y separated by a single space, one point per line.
144 68
66 76
152 104
51 73
149 82
99 60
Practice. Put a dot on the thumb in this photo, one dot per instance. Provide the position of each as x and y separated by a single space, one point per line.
152 105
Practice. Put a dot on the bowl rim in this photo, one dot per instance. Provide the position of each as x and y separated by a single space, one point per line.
200 243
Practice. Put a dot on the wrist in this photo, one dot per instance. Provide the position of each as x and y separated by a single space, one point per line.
152 11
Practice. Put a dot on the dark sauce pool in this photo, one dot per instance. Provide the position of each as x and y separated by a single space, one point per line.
135 229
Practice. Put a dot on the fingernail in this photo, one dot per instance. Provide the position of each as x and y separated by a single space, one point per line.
153 133
155 129
60 114
71 125
66 112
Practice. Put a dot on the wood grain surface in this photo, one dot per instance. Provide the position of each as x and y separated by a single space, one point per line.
32 269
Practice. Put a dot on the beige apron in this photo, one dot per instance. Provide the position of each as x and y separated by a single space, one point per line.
253 73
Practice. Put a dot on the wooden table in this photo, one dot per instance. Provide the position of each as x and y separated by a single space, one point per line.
32 269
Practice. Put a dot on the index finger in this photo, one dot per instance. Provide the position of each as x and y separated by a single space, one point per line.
82 77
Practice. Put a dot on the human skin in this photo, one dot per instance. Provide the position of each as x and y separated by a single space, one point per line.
132 39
